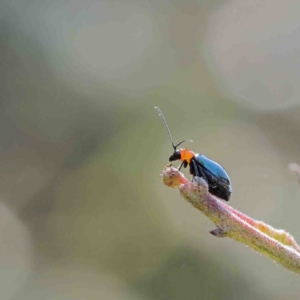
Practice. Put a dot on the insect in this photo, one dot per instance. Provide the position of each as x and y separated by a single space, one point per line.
214 174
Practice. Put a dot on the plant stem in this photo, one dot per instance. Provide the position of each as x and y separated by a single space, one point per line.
276 244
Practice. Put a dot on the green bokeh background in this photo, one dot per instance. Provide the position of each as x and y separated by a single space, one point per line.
84 214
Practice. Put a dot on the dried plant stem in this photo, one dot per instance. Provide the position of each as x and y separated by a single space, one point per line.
276 244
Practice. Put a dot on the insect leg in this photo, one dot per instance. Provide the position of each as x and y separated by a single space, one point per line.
180 166
198 171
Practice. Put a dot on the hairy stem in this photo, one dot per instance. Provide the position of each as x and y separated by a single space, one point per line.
276 244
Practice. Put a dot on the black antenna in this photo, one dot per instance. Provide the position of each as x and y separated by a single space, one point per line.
168 130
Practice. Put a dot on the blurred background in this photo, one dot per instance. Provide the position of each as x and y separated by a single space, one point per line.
84 214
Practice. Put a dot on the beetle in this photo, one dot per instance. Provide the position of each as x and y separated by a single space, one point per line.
201 166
